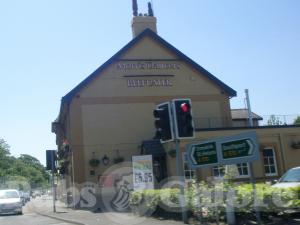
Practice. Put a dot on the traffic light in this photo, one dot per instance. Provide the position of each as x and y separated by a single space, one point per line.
163 122
50 159
184 125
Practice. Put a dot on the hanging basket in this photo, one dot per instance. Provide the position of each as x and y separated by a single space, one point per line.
94 162
172 153
118 160
295 145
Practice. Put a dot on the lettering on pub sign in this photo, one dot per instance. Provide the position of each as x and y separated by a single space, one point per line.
149 79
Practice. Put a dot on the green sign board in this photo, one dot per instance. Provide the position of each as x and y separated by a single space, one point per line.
203 154
237 149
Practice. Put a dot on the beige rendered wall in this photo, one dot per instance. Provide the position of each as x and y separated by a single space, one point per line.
108 115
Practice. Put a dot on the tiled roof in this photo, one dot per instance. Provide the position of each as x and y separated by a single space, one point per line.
242 114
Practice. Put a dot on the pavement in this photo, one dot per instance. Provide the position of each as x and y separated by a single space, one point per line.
44 207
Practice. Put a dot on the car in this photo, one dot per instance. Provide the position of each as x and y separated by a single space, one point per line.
10 202
36 194
290 179
25 197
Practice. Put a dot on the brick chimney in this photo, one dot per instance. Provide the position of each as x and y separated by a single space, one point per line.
141 22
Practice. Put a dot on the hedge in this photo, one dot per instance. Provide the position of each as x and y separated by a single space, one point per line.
208 200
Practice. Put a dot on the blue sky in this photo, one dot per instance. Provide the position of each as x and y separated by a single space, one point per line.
47 47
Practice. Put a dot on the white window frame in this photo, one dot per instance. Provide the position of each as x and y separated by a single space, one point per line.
248 169
239 176
219 168
275 163
185 164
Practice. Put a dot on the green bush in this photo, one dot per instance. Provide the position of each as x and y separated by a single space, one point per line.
209 200
295 203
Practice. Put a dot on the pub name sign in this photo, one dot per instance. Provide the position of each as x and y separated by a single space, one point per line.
148 66
149 79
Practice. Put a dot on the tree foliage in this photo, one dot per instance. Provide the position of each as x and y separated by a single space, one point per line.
274 120
24 171
297 121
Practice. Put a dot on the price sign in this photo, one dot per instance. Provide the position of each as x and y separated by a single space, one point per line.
142 172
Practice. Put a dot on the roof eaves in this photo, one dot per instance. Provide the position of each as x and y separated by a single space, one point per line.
68 97
229 90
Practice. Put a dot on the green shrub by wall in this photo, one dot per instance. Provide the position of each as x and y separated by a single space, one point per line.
199 200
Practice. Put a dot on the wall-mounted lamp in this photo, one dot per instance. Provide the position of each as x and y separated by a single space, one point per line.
105 160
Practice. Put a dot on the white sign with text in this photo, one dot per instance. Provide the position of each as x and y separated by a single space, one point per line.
142 168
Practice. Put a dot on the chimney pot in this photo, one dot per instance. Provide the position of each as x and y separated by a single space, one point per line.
141 23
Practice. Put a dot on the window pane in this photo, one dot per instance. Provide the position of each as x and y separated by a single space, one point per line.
268 152
273 169
186 167
240 170
189 174
244 165
222 171
267 169
245 171
216 173
219 171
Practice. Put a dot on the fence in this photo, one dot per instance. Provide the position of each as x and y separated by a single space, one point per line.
267 120
271 120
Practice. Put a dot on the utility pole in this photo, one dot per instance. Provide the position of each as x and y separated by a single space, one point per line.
250 117
252 180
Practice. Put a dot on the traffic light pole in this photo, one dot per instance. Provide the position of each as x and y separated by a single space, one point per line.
51 165
179 170
53 191
174 122
180 175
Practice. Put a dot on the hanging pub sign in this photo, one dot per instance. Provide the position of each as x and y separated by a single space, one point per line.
142 172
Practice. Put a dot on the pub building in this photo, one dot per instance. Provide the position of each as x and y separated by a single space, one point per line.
108 117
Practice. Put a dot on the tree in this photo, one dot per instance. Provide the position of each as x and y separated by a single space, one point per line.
5 159
274 120
31 161
297 121
4 149
21 170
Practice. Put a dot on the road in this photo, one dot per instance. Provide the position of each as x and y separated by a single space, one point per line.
29 218
39 212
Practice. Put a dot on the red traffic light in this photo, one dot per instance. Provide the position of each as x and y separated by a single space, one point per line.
185 107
